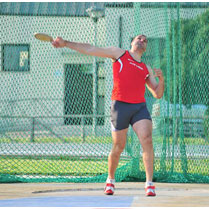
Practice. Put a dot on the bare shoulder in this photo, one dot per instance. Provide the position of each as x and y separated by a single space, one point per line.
116 52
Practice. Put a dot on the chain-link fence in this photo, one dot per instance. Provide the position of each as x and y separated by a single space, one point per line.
55 103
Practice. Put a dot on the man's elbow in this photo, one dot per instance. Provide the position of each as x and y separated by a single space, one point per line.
157 96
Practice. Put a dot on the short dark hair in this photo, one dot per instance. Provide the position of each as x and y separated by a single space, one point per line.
136 36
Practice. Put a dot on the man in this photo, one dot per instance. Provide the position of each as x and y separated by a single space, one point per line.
128 103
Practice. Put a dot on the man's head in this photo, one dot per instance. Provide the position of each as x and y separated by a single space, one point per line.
139 42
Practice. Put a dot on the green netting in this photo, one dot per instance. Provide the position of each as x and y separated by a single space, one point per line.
55 103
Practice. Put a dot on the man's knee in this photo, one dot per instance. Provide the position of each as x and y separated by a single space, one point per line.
118 148
119 141
146 139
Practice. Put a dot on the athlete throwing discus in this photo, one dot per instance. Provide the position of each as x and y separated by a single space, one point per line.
130 75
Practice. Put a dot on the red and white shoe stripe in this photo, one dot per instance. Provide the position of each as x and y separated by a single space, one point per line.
150 191
109 189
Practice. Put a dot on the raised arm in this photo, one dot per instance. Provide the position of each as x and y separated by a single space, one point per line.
155 88
88 49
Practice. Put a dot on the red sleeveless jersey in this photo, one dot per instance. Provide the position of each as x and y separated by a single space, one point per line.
129 78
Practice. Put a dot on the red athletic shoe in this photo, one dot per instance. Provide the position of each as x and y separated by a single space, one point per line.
109 189
150 191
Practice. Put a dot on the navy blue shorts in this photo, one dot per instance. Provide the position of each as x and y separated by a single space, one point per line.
123 114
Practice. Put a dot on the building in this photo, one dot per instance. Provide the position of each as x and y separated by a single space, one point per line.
40 89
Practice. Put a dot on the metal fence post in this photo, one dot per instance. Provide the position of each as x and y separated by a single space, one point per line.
32 129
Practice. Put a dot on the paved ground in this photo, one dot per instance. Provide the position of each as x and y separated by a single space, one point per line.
91 195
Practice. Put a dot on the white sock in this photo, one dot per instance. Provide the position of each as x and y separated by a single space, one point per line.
110 181
149 183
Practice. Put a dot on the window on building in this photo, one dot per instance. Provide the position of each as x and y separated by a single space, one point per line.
15 58
79 93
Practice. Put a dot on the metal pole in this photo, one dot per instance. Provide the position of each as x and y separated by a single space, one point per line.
95 81
135 142
182 142
83 128
174 87
166 113
137 10
95 14
32 129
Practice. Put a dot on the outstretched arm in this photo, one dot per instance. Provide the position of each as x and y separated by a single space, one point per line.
88 49
155 88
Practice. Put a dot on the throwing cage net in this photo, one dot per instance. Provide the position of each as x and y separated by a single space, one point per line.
55 103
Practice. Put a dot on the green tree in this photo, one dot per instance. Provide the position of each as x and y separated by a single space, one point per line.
194 60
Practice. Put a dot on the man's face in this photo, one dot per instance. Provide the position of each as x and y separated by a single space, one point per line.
140 41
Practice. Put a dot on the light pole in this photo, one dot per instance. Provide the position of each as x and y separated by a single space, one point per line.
95 13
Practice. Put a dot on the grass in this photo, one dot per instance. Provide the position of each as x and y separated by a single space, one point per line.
195 166
54 167
187 141
89 167
29 165
51 167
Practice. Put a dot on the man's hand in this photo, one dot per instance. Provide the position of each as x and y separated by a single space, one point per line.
159 74
59 43
155 88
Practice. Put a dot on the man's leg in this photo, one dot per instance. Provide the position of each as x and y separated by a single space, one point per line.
119 142
143 129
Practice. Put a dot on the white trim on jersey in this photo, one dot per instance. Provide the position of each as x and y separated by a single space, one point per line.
121 65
